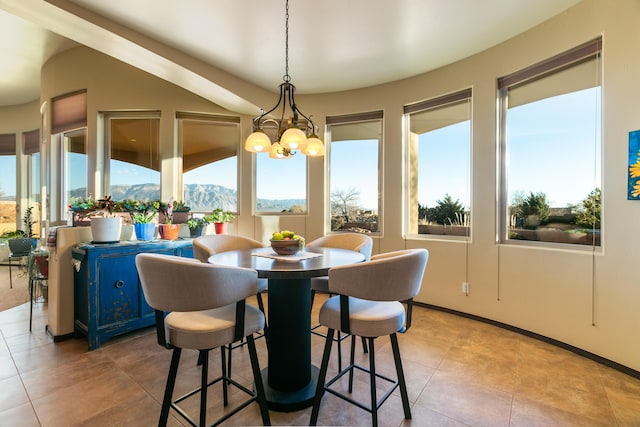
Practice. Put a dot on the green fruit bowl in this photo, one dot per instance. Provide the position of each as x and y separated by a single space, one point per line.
285 247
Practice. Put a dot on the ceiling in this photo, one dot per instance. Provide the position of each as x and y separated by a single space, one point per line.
211 45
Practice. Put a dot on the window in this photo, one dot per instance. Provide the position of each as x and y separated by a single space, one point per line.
355 187
281 184
439 138
68 124
550 117
74 166
134 158
209 161
31 149
8 181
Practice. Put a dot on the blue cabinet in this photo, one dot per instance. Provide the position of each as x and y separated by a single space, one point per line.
108 297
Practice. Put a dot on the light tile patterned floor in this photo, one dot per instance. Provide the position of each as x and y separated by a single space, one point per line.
460 372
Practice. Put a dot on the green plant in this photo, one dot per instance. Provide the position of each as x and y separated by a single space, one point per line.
533 204
180 206
588 215
447 211
82 204
13 234
28 222
220 216
106 207
141 212
195 222
143 217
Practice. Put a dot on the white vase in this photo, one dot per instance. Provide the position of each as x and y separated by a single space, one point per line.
106 230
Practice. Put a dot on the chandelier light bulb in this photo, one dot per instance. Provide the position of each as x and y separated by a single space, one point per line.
314 146
293 139
257 142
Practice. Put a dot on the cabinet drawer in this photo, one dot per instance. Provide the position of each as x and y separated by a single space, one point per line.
119 292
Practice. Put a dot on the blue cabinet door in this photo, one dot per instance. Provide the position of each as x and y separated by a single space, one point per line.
119 291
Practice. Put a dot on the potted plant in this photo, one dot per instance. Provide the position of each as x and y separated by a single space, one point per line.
142 217
105 225
81 209
168 230
220 218
196 225
179 211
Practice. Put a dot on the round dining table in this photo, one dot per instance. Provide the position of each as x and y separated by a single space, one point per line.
290 378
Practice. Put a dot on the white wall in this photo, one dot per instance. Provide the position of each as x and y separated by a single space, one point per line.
581 298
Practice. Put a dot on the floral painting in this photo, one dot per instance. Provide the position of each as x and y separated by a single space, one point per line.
633 192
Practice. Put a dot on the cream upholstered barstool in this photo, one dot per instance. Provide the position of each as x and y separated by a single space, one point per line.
206 310
211 244
369 303
357 242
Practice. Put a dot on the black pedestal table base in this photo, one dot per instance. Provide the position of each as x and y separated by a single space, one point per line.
289 401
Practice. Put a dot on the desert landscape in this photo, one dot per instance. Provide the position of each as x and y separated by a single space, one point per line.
7 216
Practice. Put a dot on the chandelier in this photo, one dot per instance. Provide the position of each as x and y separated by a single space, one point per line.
296 132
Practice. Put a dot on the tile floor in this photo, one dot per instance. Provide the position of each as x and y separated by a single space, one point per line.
460 372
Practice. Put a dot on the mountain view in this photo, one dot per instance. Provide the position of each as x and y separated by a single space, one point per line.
199 197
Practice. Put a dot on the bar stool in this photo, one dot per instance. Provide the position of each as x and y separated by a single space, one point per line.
207 310
368 303
38 267
345 240
19 248
211 244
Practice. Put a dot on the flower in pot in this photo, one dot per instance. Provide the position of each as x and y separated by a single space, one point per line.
179 211
143 221
220 218
196 225
168 230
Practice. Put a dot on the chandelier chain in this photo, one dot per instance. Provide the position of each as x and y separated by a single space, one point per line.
286 77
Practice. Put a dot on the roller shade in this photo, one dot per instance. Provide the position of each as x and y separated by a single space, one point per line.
7 144
69 112
570 71
31 142
440 112
357 126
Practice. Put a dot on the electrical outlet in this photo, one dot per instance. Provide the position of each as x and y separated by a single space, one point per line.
465 288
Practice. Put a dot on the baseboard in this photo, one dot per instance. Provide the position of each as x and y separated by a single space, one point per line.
58 338
591 356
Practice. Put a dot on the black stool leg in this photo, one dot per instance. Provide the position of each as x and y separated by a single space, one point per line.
203 390
351 364
372 376
31 285
399 371
226 372
321 378
168 391
257 375
10 279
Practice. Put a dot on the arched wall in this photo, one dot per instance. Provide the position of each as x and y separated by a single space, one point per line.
584 299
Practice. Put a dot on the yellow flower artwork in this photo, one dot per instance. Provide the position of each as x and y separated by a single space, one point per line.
633 176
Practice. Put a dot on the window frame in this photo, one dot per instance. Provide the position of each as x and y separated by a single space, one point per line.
452 99
349 119
182 119
588 51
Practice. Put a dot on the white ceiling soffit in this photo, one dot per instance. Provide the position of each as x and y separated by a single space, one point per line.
333 44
